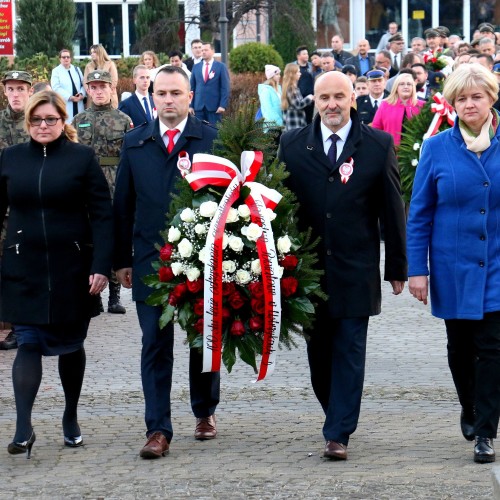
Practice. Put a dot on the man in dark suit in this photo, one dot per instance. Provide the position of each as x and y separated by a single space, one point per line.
345 176
146 178
139 106
363 61
211 88
196 49
338 51
367 105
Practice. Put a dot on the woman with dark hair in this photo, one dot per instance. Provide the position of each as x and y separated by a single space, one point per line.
57 257
101 60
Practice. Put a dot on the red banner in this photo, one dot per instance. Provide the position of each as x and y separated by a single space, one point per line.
6 29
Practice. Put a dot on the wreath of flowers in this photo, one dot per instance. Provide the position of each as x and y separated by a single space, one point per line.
414 132
435 60
179 279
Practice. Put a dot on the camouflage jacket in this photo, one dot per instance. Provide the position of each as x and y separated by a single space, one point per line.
103 128
12 128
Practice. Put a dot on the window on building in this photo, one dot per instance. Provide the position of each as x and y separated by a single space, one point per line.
111 28
333 19
83 34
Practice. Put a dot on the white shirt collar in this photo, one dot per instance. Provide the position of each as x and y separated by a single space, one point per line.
180 127
342 133
141 97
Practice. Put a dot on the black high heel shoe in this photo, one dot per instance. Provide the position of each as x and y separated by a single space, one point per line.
73 442
17 448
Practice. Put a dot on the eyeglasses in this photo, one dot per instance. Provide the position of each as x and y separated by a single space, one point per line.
50 121
65 57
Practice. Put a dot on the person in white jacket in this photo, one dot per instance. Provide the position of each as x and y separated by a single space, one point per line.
67 81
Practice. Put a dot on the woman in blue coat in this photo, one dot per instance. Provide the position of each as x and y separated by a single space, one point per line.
270 98
454 223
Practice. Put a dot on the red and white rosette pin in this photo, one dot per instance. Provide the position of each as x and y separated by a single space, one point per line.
346 170
184 163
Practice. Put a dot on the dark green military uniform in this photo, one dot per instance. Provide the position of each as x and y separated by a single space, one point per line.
103 128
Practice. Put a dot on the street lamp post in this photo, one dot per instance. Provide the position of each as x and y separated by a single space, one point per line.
223 21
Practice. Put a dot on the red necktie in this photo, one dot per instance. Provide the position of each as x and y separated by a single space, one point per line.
171 134
206 73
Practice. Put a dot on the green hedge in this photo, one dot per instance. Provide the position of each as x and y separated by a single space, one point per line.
252 57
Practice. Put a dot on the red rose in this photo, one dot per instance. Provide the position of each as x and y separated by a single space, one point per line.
256 289
228 288
195 286
258 305
289 262
198 307
236 300
179 290
226 314
289 286
256 323
166 251
173 300
165 274
237 328
198 326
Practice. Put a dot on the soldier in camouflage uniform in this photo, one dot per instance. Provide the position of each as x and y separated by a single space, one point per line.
102 127
17 88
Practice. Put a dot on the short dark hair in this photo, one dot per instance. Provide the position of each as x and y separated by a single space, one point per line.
196 40
208 43
177 53
171 70
488 58
420 65
408 71
315 53
300 48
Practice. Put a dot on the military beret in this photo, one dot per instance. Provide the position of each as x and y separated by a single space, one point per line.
445 32
486 28
375 74
19 76
99 75
496 69
397 37
431 33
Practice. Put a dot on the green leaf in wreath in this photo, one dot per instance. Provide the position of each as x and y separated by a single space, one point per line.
157 298
229 354
198 199
167 315
185 315
246 350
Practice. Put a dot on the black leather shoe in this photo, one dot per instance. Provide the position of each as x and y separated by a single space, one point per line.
73 442
116 308
10 342
467 424
483 451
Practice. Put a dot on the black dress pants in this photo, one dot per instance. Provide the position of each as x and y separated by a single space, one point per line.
474 361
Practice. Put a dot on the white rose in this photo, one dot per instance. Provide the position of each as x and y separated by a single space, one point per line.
208 209
244 211
200 229
202 255
414 162
225 241
243 277
255 266
192 274
253 232
416 146
185 248
187 215
228 266
280 271
232 215
177 268
284 244
270 214
236 243
173 234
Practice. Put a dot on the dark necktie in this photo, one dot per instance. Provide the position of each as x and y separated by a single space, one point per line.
396 65
375 105
146 107
332 152
75 104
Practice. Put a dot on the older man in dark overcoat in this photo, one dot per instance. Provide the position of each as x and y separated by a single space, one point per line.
145 181
345 176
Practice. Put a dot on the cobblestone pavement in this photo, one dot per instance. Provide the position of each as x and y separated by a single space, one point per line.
408 443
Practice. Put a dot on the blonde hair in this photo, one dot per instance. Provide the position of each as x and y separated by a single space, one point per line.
53 98
468 76
289 83
156 61
102 55
393 97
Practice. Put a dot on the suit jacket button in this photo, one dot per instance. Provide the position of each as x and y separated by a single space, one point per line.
481 263
330 179
328 252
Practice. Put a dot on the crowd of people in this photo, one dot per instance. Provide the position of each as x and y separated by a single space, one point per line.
78 166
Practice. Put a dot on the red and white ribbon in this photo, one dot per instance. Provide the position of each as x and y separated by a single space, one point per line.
442 110
216 171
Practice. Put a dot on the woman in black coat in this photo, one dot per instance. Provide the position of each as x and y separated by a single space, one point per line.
56 260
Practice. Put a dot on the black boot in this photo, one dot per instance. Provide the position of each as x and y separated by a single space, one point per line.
114 305
10 341
483 450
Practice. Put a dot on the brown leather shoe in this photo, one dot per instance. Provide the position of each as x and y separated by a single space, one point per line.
155 447
335 451
205 428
